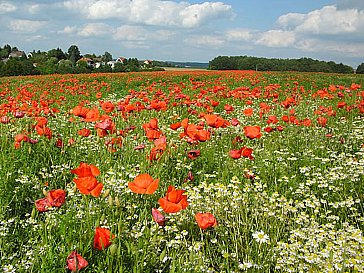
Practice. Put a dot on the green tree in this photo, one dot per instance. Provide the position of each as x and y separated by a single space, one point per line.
106 57
57 53
360 69
64 67
74 54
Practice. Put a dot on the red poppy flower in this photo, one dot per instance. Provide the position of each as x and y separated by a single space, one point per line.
322 121
175 126
92 115
248 112
228 108
234 122
108 106
236 154
216 121
205 220
144 184
247 152
75 262
54 198
158 217
252 132
86 170
174 201
89 185
193 154
102 238
80 111
5 120
84 132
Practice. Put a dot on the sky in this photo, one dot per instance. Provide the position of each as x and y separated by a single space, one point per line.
190 30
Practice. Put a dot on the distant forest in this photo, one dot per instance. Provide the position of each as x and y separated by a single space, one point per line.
265 64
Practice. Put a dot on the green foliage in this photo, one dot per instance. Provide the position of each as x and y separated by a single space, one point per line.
265 64
57 53
106 57
73 54
360 69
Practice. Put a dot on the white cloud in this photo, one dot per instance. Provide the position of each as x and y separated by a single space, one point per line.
317 45
195 15
152 12
94 29
239 35
291 20
68 30
277 38
328 20
6 7
130 33
25 26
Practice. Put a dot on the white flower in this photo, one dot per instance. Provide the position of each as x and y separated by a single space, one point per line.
260 237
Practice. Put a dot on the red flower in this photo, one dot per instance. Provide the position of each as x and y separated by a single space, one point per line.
322 121
205 220
247 152
234 122
248 112
75 262
175 126
102 238
252 132
84 132
193 154
236 154
108 106
86 170
86 181
144 184
89 185
174 201
158 217
54 198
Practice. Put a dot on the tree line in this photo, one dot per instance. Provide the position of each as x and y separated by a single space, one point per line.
14 62
266 64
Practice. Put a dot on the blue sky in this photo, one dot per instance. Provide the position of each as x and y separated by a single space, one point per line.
189 30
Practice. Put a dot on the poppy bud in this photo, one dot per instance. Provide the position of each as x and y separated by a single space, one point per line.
117 202
113 249
106 193
110 201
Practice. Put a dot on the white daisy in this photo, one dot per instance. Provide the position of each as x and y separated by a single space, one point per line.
260 237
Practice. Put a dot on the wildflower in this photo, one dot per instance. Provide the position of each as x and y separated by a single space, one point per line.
260 237
102 238
54 198
193 154
144 184
205 220
86 181
89 186
86 170
174 201
158 217
252 132
75 262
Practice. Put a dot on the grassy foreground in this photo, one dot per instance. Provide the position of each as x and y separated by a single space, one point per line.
272 162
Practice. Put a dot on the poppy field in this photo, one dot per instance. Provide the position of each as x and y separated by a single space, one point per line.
195 171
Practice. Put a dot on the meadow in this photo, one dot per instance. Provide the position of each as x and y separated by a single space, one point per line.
182 171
